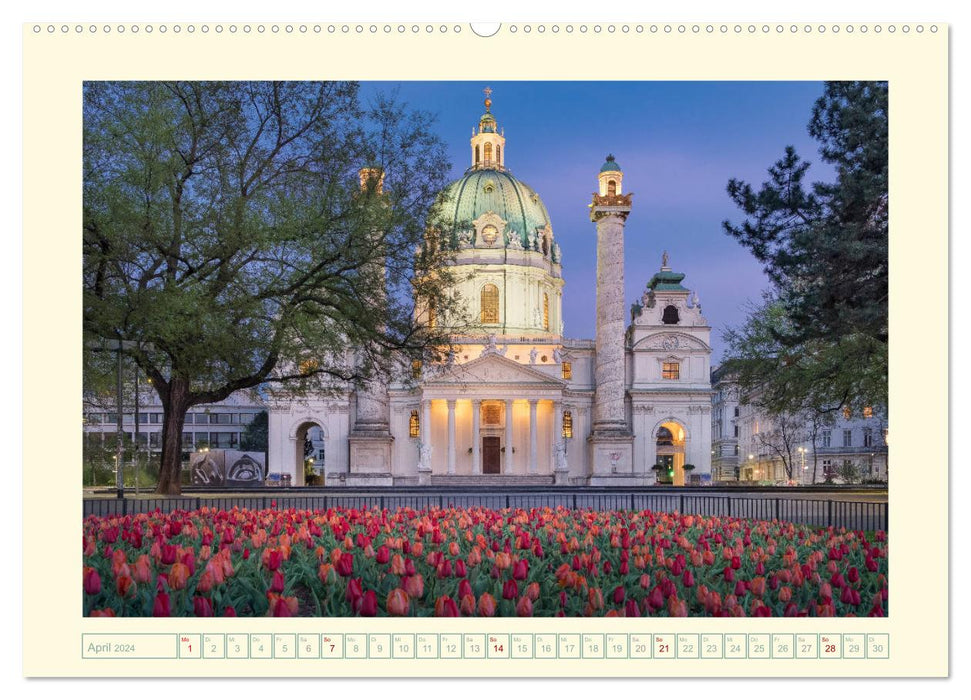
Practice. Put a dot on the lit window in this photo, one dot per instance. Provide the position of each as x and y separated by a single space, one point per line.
308 366
415 369
671 370
487 150
847 412
567 370
611 188
567 424
432 316
868 411
414 426
546 312
490 304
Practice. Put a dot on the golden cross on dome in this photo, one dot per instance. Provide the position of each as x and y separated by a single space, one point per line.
488 100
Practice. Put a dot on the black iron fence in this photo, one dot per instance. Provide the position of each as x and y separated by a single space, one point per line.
816 512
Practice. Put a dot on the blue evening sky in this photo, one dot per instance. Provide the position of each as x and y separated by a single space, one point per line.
678 144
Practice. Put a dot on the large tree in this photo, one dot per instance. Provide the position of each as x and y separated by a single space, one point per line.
821 340
231 240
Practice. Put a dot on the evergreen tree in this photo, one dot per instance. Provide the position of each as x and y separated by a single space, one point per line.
820 340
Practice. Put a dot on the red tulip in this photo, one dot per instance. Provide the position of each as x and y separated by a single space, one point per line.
460 569
162 607
345 565
369 604
143 569
106 612
853 575
125 585
631 609
446 607
230 611
510 591
283 606
688 579
465 588
382 555
202 607
278 583
92 581
520 570
354 592
618 595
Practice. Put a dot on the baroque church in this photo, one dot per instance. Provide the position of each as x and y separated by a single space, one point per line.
518 403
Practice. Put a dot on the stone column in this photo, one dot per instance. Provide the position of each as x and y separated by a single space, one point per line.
476 440
532 436
426 421
509 444
451 436
609 414
611 440
557 432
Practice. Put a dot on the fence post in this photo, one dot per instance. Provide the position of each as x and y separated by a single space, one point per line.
681 504
777 509
507 498
728 505
381 502
574 500
829 515
198 503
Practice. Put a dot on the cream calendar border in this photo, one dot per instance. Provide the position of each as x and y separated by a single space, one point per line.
914 58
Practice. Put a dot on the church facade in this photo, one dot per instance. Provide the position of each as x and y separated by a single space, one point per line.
517 403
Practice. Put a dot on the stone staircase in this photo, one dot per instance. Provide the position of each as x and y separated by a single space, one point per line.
492 480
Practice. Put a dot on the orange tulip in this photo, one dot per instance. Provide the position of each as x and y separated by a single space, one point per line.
486 606
524 608
398 602
143 569
467 605
532 591
414 585
178 575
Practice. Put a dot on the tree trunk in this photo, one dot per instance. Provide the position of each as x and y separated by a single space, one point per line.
175 406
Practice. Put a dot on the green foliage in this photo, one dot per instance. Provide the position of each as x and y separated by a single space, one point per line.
227 234
820 339
255 438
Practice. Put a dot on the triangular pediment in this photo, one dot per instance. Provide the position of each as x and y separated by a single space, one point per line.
493 368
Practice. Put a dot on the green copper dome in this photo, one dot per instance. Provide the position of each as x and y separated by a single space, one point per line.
486 190
610 166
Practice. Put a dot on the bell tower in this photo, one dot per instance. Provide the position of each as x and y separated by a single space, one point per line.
488 142
611 440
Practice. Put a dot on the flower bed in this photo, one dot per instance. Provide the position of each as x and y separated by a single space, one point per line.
475 562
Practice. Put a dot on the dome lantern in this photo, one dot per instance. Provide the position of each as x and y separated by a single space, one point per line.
488 142
611 178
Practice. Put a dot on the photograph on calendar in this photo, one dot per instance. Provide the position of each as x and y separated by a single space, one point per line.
485 349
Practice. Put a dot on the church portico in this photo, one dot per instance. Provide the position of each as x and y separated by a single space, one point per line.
490 434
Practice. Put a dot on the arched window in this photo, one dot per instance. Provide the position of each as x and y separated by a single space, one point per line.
567 424
488 152
546 312
490 304
476 154
414 426
664 437
611 187
670 315
498 155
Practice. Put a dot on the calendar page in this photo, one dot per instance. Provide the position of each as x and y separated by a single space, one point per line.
486 350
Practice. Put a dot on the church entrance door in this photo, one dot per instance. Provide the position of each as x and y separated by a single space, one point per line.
490 454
